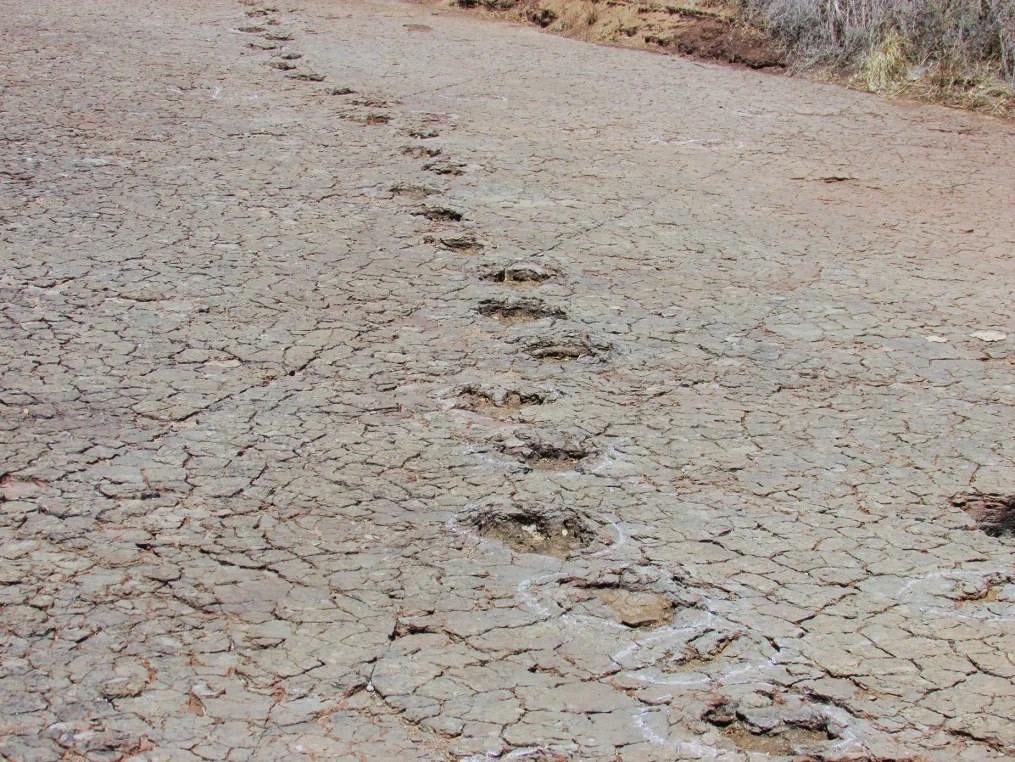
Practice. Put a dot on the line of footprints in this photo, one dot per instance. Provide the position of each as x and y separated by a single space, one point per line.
661 631
524 528
568 451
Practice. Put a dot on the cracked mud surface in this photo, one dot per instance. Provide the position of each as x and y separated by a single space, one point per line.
250 511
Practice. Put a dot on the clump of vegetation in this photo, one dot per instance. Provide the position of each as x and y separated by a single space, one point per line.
960 46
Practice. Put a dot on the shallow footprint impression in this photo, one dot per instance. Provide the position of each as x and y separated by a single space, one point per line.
499 402
526 528
788 738
539 451
512 311
520 274
565 347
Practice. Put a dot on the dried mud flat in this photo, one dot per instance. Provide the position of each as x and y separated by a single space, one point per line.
378 384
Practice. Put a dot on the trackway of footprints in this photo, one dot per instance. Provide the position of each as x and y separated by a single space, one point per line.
657 631
647 629
385 384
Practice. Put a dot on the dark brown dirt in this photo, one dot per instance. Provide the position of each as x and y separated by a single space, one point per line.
993 513
527 529
717 39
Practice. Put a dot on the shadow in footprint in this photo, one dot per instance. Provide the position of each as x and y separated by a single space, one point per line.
445 166
306 76
439 214
421 152
413 192
520 274
527 528
993 512
539 451
565 348
501 403
513 311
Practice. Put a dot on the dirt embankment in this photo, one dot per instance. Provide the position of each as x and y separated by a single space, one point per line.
706 32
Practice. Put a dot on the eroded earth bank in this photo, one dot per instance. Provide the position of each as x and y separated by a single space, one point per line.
386 385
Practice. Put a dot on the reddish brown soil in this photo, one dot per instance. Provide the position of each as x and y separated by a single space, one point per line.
717 39
693 32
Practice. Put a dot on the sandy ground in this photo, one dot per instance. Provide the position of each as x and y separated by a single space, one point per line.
534 400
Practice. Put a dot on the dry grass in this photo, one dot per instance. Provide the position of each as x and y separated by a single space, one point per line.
883 68
949 46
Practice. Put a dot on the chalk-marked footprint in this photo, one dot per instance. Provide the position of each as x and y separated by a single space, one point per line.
795 737
648 657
